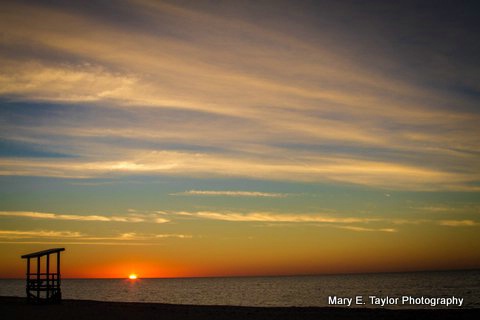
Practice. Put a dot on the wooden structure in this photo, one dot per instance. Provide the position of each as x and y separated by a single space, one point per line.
43 284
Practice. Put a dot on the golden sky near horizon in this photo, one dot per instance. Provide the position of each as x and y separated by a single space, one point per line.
198 138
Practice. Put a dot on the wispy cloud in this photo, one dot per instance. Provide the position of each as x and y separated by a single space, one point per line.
165 216
74 237
313 168
17 234
362 229
134 236
288 109
450 208
459 223
62 242
352 222
273 217
231 194
438 208
180 236
74 217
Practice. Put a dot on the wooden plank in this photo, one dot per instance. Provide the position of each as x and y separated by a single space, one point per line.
48 276
42 253
38 277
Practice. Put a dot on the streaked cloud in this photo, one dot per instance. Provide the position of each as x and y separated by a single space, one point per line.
410 221
18 234
231 194
352 222
362 229
66 83
74 217
180 236
318 168
62 242
288 109
272 217
71 237
439 209
450 208
134 236
459 223
167 216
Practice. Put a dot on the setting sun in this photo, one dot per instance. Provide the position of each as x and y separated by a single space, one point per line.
133 276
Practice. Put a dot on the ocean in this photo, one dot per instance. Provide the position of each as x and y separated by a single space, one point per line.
424 289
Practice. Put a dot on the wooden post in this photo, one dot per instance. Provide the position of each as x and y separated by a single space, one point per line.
48 276
58 267
28 279
38 277
58 291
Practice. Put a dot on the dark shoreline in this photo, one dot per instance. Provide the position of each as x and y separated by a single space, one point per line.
17 308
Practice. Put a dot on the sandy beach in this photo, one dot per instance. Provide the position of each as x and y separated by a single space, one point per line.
17 308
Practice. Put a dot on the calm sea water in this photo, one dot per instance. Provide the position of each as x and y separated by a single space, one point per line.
271 291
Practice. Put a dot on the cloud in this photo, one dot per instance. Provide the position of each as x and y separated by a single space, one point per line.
458 223
17 234
438 208
71 237
161 220
230 194
57 83
310 169
133 236
180 236
273 217
254 100
72 217
362 229
453 208
410 221
62 242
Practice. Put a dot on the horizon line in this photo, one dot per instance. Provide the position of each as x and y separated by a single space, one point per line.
265 276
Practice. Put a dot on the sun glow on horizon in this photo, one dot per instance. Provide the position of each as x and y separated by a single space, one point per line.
132 276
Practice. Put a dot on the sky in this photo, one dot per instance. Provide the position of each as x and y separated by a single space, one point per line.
233 138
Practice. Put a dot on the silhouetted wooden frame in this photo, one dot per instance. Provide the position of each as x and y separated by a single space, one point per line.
43 287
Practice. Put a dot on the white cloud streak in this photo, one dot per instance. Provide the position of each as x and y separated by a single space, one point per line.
459 223
254 194
325 220
273 217
18 234
362 229
74 237
73 217
161 217
311 169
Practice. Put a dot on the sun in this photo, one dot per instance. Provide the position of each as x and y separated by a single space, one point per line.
133 276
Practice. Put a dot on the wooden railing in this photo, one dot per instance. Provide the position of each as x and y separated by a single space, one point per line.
43 281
